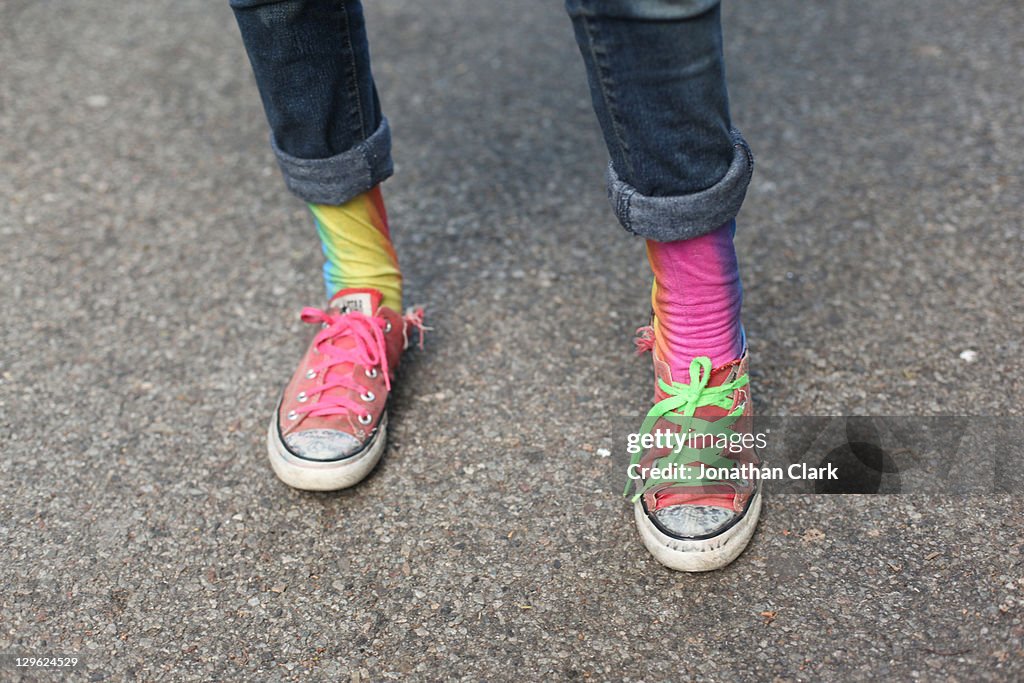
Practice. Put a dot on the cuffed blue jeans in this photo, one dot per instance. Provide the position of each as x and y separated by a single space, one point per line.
657 81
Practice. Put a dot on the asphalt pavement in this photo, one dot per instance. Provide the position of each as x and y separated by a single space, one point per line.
153 265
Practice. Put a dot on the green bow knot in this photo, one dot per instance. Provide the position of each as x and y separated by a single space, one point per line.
678 407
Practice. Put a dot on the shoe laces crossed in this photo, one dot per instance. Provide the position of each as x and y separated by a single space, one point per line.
679 407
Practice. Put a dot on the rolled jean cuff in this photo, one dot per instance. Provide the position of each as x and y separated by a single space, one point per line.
668 219
336 180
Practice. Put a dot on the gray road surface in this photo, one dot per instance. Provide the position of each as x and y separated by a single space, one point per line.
153 266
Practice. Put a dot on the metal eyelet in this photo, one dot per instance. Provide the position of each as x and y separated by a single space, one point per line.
293 416
365 419
368 396
324 326
311 374
387 327
371 373
301 398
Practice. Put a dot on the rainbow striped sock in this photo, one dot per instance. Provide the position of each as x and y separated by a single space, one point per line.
696 297
357 247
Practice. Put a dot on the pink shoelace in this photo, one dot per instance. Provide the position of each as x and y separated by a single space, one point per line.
644 340
365 345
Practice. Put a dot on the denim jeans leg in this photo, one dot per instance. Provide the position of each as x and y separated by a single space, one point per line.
311 60
657 81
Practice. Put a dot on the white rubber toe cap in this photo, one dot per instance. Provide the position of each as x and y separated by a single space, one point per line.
322 444
690 521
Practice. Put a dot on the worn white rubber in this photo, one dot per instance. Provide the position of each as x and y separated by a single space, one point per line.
703 555
331 475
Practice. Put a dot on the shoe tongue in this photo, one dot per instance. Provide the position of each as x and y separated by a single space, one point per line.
719 375
366 300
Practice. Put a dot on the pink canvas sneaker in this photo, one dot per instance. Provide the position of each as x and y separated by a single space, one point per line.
696 499
330 427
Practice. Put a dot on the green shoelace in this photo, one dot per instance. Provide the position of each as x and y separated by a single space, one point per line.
678 407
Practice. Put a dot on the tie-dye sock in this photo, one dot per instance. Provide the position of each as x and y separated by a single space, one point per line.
696 298
357 245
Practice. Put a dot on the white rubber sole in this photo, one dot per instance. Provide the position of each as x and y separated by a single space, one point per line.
310 475
698 556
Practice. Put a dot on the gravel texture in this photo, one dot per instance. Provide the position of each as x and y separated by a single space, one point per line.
153 266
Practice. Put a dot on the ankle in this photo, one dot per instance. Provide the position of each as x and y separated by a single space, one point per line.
696 297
